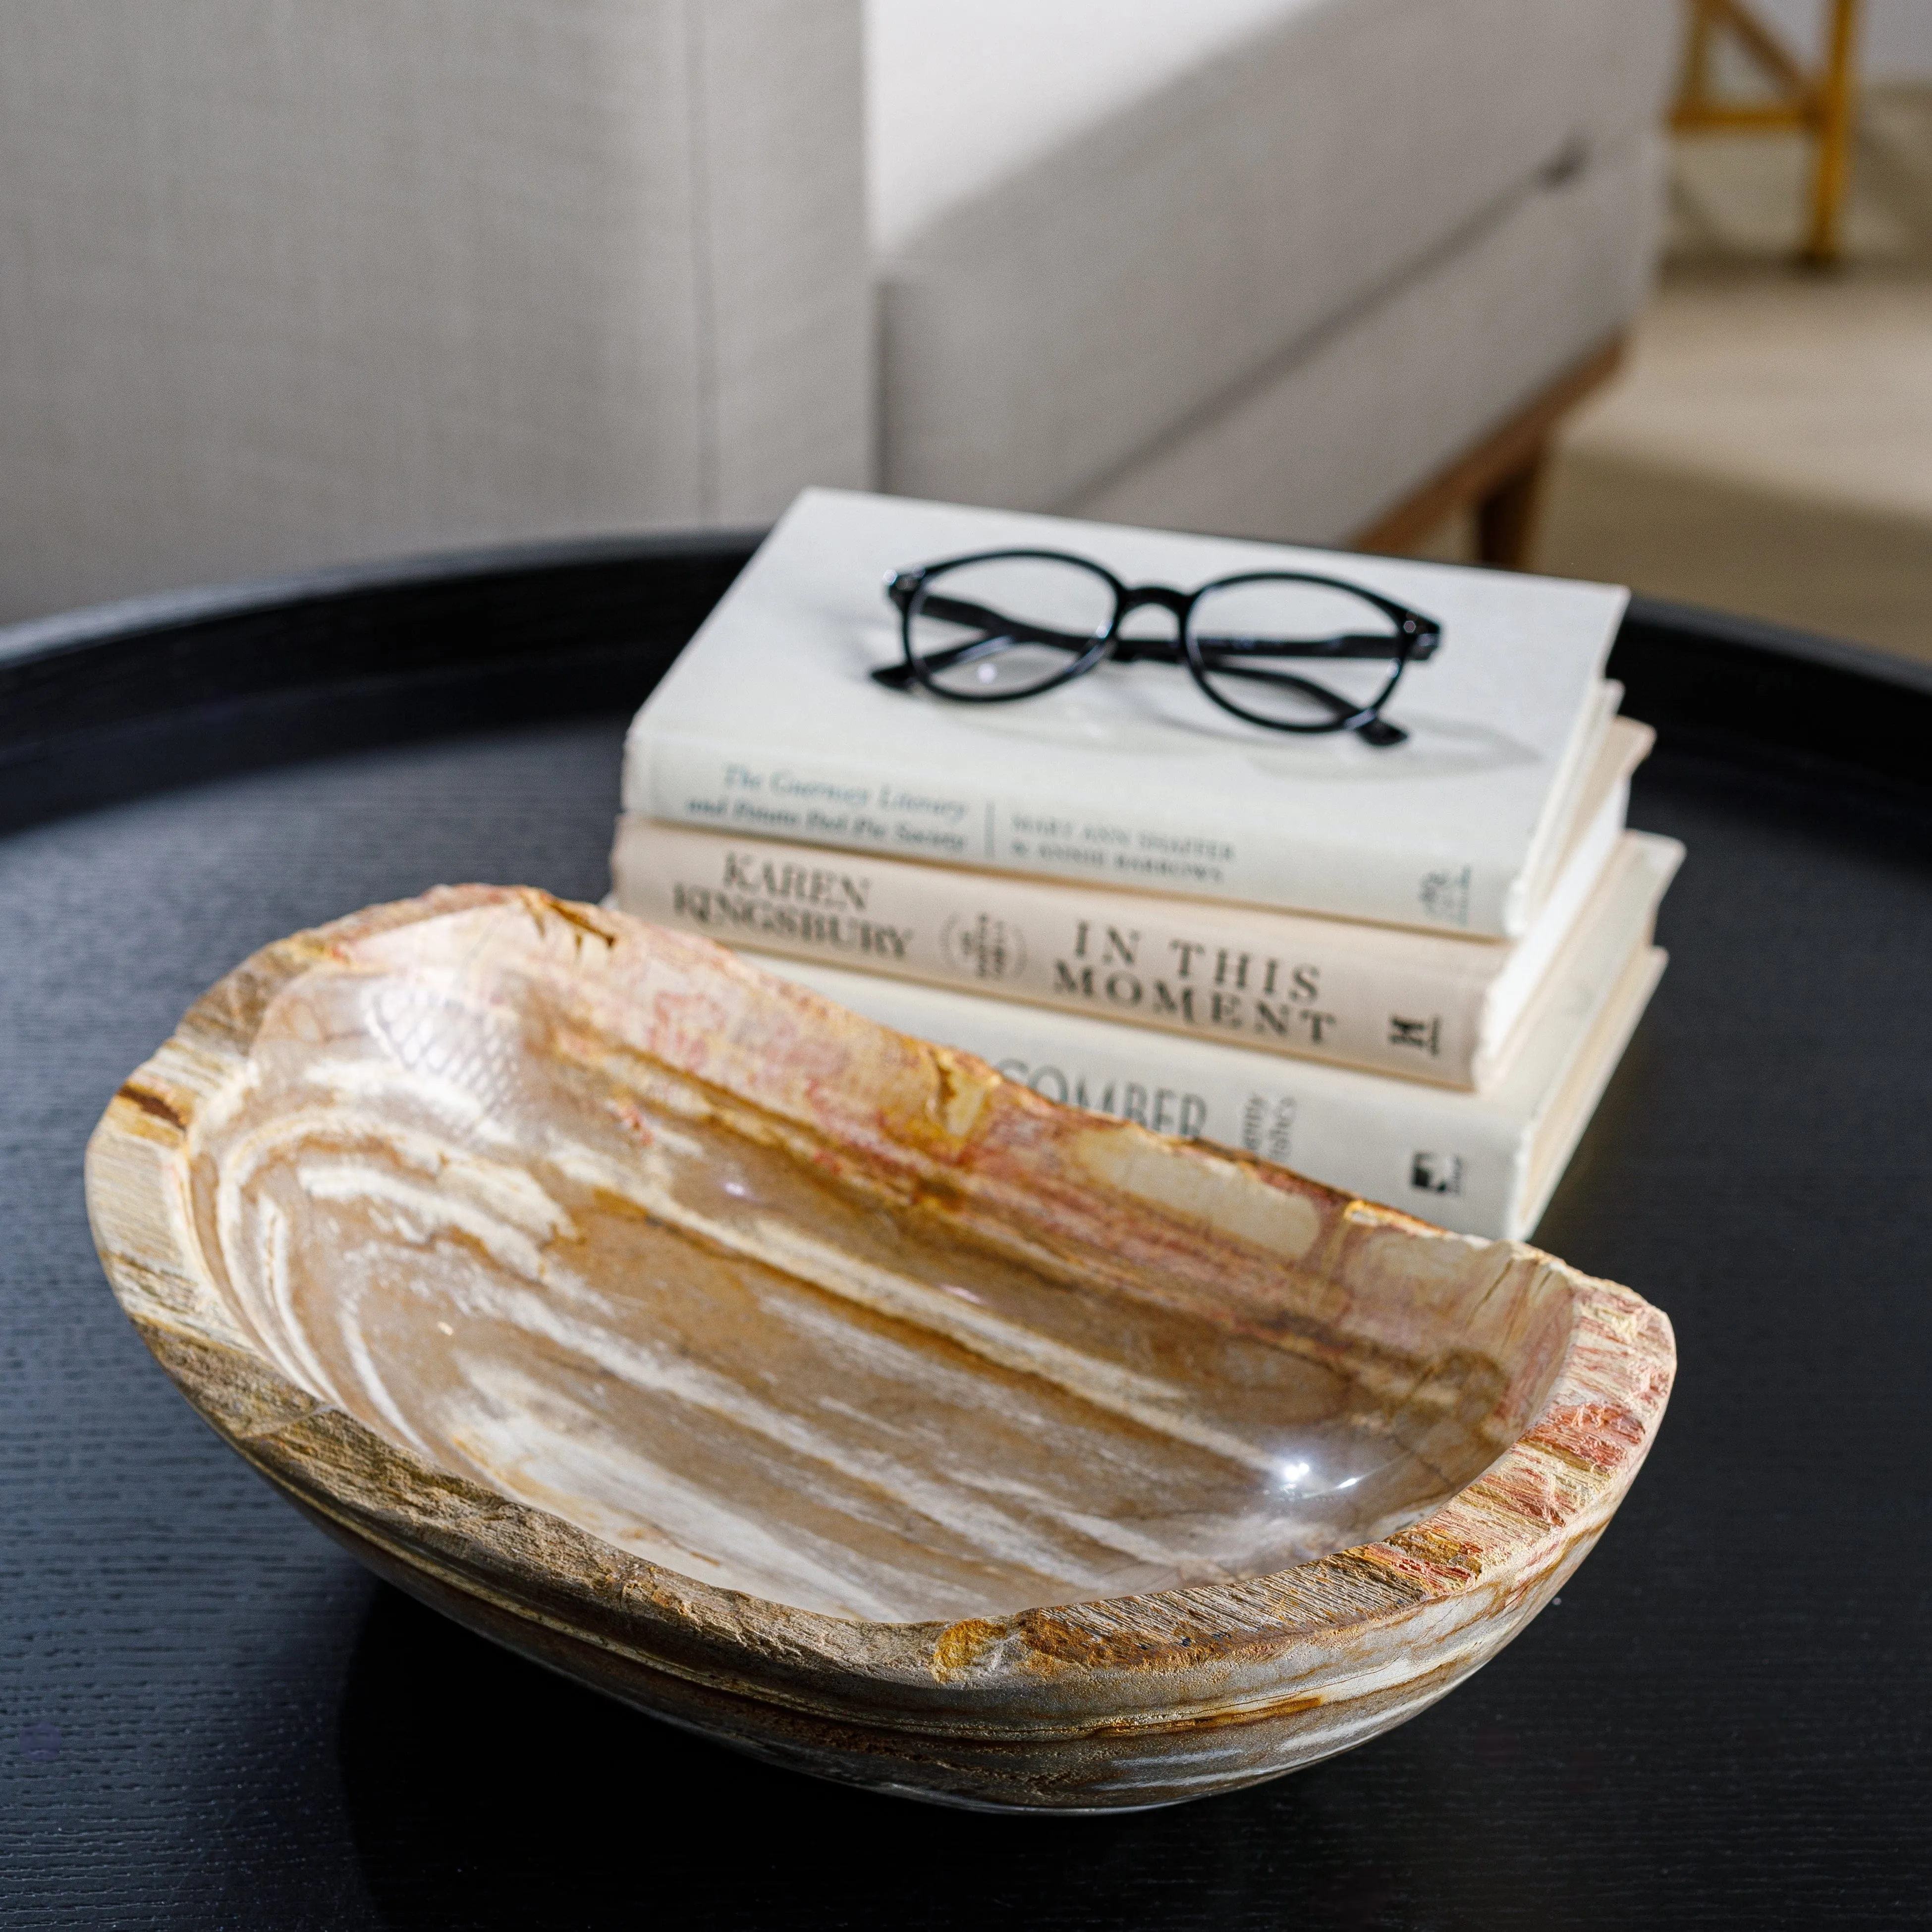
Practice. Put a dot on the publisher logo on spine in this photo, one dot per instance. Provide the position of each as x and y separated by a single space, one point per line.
1268 1126
982 947
1444 895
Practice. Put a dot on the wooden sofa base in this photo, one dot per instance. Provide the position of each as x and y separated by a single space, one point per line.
1500 478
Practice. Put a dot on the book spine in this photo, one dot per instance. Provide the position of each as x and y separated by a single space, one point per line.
1442 1155
826 800
1405 1004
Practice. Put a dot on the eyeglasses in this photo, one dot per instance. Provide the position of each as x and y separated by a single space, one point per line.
1003 624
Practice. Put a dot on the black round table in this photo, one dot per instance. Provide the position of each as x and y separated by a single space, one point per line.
213 1717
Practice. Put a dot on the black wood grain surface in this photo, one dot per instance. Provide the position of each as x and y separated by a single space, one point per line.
210 1717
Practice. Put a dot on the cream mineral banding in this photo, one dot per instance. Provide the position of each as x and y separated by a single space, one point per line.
818 1388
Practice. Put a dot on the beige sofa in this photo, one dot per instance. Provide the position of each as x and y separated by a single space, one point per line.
288 282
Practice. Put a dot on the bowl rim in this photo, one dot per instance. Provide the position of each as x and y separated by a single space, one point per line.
1502 1543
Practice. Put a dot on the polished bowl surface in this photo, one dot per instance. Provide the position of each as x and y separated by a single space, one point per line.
819 1389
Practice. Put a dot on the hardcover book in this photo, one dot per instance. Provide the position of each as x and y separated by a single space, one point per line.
769 723
1423 1006
1483 1164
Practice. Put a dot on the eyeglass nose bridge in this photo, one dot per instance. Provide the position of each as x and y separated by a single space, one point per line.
1157 596
1151 650
1150 597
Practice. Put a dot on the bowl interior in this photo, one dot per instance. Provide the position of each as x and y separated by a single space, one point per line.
472 1218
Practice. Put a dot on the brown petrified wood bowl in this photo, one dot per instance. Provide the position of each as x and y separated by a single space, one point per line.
817 1389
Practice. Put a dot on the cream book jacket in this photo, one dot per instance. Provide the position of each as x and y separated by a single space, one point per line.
768 724
1483 1164
1423 1006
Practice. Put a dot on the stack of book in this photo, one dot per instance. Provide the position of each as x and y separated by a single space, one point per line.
1408 971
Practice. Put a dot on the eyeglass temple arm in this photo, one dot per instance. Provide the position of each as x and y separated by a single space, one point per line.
900 675
1422 634
1373 729
998 633
1161 650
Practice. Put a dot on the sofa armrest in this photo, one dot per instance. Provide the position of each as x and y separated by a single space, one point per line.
288 284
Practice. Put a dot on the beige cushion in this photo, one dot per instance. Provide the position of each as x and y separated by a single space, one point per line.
287 281
1100 221
1344 426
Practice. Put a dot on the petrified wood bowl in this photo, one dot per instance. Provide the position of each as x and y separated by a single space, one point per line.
819 1390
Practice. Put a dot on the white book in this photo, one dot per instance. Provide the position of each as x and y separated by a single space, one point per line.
1423 1006
769 723
1483 1164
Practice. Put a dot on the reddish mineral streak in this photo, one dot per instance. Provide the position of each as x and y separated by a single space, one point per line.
153 1103
819 1389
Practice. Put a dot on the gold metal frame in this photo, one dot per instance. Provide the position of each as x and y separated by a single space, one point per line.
1820 102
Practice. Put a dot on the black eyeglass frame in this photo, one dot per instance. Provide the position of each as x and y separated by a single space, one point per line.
1415 639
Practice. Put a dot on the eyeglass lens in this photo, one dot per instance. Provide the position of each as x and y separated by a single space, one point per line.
1001 627
1300 656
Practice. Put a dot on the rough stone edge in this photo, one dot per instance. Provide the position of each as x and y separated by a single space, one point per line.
1530 1515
